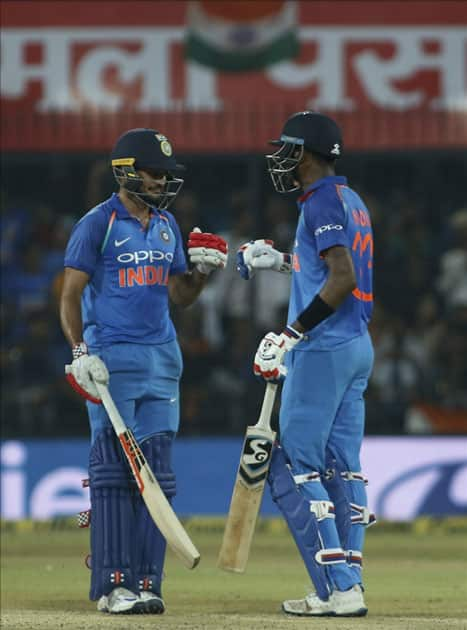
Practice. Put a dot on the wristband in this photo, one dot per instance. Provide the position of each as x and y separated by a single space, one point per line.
293 334
79 349
315 313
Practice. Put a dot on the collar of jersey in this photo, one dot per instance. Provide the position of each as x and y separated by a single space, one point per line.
122 212
330 179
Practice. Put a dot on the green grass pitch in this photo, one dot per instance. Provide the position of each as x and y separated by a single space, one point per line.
415 579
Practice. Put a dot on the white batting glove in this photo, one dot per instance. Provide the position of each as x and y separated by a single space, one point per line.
271 351
260 254
82 373
207 251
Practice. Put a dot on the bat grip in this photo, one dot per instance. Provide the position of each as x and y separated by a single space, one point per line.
267 406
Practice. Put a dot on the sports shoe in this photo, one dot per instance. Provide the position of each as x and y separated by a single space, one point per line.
311 606
348 603
119 601
124 601
103 604
153 604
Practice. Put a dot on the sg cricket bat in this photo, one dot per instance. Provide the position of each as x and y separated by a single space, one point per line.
249 488
158 507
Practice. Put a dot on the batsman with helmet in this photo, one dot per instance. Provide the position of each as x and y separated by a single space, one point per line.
325 355
124 261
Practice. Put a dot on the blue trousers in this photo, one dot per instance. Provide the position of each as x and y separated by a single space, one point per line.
322 412
322 404
144 384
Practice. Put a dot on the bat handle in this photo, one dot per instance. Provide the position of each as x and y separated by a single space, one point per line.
112 411
267 406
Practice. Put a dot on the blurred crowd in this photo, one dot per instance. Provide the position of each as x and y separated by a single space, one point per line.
419 328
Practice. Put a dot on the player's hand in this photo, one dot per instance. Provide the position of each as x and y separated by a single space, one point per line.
207 251
270 354
260 254
82 373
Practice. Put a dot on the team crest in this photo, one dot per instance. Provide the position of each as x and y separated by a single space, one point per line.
165 236
166 147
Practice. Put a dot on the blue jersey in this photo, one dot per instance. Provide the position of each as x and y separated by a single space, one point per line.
126 299
332 214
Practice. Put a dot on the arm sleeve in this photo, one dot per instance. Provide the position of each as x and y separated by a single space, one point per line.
179 262
83 249
326 219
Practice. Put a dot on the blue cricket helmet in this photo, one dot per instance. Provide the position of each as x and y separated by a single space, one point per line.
146 149
307 130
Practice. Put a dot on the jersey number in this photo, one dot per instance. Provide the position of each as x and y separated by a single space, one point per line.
364 245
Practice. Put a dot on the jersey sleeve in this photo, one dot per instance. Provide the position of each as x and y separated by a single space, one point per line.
326 218
84 247
179 262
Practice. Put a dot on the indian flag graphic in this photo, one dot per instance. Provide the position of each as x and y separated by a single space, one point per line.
242 35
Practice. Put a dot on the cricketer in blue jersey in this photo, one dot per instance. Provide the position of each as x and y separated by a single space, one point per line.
124 261
326 354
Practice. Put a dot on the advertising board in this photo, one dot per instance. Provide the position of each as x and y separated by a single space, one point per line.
408 477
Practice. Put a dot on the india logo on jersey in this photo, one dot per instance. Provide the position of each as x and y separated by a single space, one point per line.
146 274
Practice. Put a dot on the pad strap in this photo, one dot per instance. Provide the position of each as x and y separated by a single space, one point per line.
354 558
322 509
311 476
330 556
362 515
347 475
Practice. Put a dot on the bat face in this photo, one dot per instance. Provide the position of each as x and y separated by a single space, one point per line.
256 455
246 499
248 489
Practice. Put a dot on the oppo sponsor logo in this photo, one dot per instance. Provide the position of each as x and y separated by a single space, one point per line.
328 228
152 255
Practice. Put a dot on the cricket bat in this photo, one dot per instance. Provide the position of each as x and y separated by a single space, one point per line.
158 507
248 489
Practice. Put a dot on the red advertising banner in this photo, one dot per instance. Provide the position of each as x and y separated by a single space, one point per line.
73 78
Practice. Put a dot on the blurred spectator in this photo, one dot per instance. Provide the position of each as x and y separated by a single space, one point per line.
444 409
26 285
452 279
232 292
15 225
60 233
423 339
419 327
100 183
188 212
272 290
199 361
396 378
451 360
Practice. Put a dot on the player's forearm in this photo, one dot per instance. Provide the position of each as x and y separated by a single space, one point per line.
70 318
74 282
184 289
337 289
341 280
339 285
322 306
